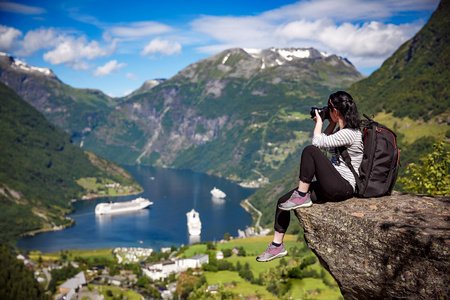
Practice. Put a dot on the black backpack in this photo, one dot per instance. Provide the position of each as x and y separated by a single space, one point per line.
381 161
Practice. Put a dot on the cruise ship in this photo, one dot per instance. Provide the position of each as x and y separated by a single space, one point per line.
218 193
193 222
119 207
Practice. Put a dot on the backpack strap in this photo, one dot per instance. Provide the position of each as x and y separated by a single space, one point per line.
344 153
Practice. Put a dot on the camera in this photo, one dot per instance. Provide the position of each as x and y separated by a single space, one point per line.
324 112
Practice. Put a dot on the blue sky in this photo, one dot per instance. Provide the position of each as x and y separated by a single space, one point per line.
114 46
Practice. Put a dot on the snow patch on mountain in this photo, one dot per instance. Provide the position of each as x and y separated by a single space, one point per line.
17 63
291 54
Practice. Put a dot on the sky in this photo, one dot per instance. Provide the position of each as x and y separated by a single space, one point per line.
115 46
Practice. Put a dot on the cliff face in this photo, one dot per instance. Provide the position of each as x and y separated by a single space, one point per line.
393 247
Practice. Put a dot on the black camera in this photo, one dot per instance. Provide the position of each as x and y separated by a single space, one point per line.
324 112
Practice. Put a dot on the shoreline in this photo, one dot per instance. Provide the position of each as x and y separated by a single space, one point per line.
72 221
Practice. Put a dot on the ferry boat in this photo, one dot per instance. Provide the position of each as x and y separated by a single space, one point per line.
193 222
119 207
218 193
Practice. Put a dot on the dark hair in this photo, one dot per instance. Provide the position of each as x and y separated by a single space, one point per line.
344 103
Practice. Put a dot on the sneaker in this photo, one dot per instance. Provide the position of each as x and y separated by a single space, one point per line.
296 201
272 252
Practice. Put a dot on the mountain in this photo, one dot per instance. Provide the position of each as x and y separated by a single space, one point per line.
73 110
147 86
409 93
240 113
41 171
414 81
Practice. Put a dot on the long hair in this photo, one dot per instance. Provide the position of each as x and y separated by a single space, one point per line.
345 104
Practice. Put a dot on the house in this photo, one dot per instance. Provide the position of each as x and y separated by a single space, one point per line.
118 280
162 269
193 262
219 255
71 286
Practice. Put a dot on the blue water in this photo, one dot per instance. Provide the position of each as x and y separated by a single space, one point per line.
174 193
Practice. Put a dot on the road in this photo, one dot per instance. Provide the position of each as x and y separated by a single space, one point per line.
258 212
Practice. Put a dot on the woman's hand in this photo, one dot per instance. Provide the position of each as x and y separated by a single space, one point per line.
319 124
317 118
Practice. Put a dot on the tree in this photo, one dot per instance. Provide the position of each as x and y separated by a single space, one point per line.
227 252
210 246
16 281
432 176
226 236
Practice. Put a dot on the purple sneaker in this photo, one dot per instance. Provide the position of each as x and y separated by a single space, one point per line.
295 201
272 252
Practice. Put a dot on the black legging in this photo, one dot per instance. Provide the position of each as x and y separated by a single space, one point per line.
330 185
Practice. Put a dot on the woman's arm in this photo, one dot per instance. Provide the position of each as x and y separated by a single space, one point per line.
330 127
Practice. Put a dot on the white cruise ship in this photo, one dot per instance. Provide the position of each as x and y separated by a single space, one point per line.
218 193
193 222
119 207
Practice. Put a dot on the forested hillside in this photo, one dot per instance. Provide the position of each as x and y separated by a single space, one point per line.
39 169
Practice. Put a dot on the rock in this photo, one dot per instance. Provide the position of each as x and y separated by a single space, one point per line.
392 247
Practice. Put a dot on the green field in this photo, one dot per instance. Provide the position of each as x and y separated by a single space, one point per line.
413 130
242 287
71 254
311 287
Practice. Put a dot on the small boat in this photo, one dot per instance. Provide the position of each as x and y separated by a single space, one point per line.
218 193
193 222
119 207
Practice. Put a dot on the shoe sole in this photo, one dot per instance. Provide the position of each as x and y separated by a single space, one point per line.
308 204
281 254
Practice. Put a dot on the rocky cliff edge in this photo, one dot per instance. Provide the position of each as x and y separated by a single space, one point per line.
392 247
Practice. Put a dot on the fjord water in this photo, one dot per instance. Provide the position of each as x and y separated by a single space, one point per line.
173 193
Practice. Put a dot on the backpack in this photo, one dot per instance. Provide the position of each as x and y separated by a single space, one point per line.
381 160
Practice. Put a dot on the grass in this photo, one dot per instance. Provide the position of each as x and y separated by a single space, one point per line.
313 287
242 287
71 254
412 130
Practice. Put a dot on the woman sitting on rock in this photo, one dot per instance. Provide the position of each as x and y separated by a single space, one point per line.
334 179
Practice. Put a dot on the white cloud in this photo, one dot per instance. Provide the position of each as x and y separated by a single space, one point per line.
162 46
370 39
8 36
38 39
347 10
131 76
356 29
20 8
109 68
73 51
137 30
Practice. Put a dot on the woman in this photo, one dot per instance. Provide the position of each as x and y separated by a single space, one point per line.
334 179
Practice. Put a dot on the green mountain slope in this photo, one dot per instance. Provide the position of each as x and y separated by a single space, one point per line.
240 113
39 169
414 81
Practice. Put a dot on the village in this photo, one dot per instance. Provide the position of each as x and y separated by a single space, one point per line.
76 287
99 275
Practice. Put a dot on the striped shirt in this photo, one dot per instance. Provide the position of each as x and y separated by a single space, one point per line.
352 140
